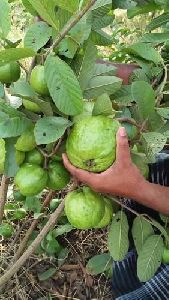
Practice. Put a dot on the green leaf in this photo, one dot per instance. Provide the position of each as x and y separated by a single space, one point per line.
100 4
63 86
5 18
161 229
102 106
123 95
68 47
154 142
71 5
62 229
1 90
118 242
163 112
14 54
101 22
46 10
141 230
158 22
150 257
155 37
99 264
33 204
101 38
139 10
144 99
10 166
29 7
104 69
37 36
50 129
145 51
47 274
86 65
62 256
123 4
81 31
2 155
102 84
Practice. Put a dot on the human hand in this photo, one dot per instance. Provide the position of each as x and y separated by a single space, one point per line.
123 178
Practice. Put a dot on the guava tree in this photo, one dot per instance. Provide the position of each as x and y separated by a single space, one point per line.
62 87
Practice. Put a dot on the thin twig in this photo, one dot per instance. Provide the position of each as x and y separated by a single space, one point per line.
70 25
3 195
31 249
130 121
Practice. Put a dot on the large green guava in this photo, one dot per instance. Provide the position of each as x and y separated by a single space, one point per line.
34 157
38 82
84 208
26 142
30 179
139 159
58 176
31 106
10 72
108 214
91 144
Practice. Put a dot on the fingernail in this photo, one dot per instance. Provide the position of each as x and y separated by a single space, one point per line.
122 132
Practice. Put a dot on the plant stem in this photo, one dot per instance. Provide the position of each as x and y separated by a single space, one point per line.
132 122
21 261
70 25
3 195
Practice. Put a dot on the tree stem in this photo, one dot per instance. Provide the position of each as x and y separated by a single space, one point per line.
3 195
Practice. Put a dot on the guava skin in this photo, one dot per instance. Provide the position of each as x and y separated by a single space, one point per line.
38 82
19 157
108 214
58 176
34 157
9 73
26 142
31 106
31 179
91 144
84 208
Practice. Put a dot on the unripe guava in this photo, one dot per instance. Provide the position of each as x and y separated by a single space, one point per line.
38 81
31 106
10 72
34 157
26 142
108 214
19 157
58 176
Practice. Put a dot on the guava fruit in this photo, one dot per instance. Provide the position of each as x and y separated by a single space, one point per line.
87 111
9 73
26 142
58 176
165 257
84 208
2 155
38 82
108 214
30 179
139 159
19 157
31 106
34 157
91 144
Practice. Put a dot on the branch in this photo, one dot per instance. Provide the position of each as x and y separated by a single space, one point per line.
3 195
31 249
68 27
128 120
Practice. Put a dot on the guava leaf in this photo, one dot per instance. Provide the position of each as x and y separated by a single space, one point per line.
86 65
123 96
2 155
102 106
1 90
163 112
63 86
118 242
101 38
68 47
50 129
155 37
10 166
150 257
139 10
62 256
144 99
123 4
158 21
99 264
101 4
62 229
102 84
14 54
102 69
33 204
145 51
5 19
101 22
46 10
154 142
141 230
37 36
81 31
47 274
71 5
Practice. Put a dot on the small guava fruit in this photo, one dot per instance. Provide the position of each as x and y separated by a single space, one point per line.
108 214
139 159
87 111
34 157
91 144
38 81
26 142
30 179
19 157
31 106
2 155
84 208
9 73
6 230
58 176
165 257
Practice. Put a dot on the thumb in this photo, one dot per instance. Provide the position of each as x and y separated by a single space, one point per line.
122 149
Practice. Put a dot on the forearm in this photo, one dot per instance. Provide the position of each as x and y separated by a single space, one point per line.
153 195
